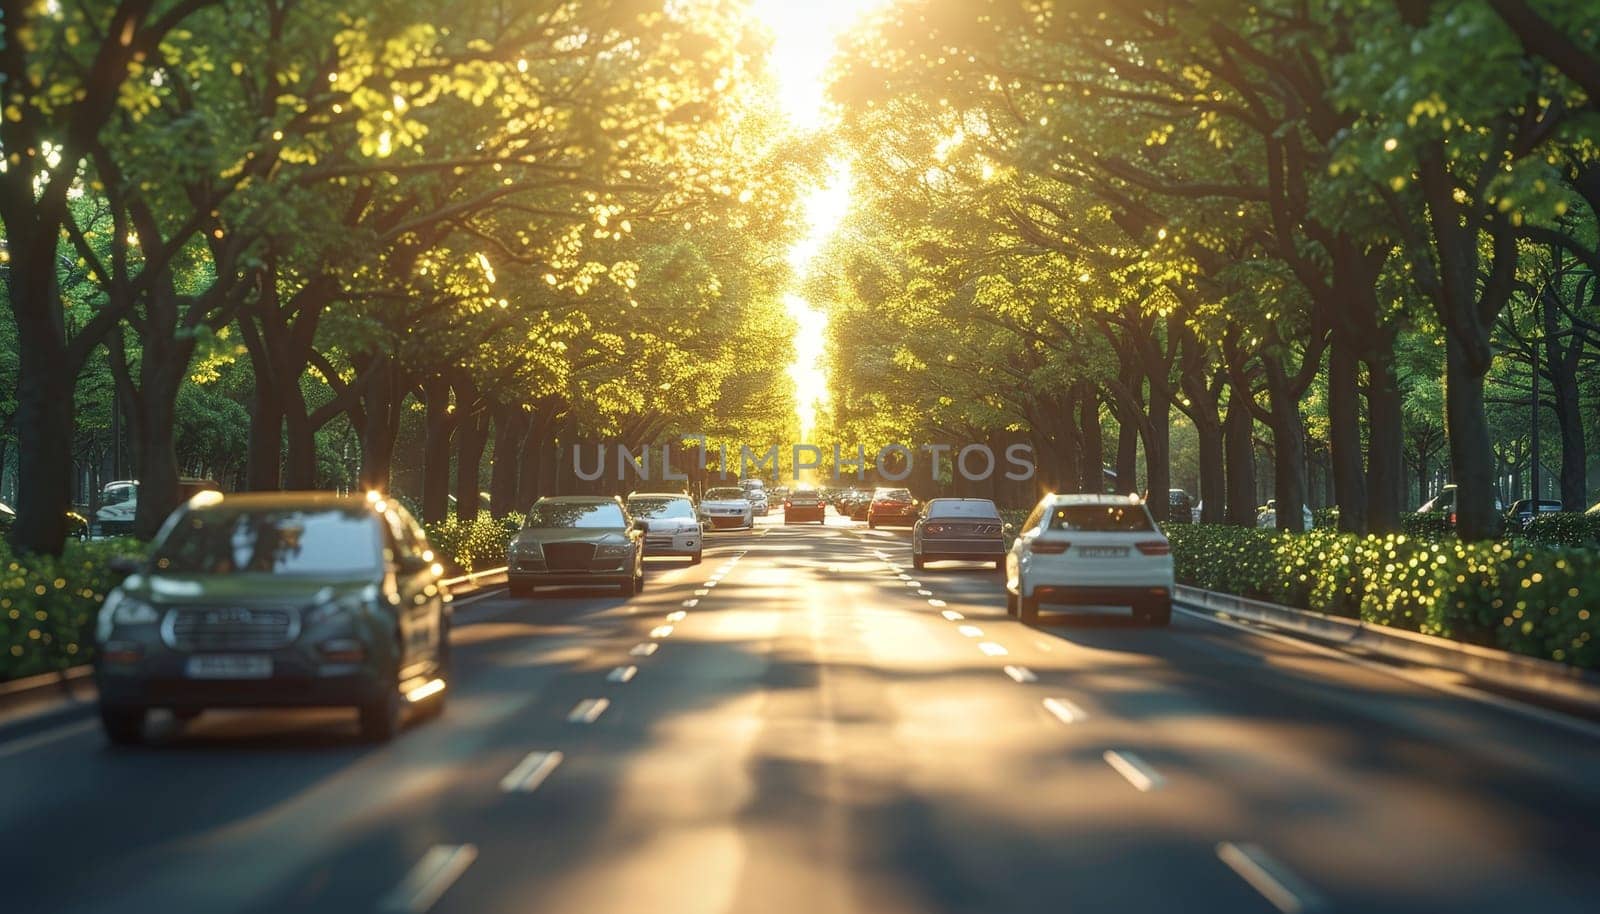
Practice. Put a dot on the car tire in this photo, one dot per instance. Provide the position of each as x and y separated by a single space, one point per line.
123 724
695 559
380 718
1011 604
1156 613
1028 610
999 564
917 561
519 590
872 525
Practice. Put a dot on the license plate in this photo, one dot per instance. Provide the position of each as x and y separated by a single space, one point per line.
229 666
1103 552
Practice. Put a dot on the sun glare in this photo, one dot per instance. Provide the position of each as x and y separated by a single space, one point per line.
805 37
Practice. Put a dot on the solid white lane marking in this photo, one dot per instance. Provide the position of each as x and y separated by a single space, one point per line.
691 603
992 649
661 631
530 772
17 747
438 869
924 593
622 674
952 615
588 711
937 603
1276 883
1021 674
677 615
1064 710
1135 770
644 649
971 631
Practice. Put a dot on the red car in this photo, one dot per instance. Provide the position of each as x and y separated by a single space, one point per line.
804 505
892 507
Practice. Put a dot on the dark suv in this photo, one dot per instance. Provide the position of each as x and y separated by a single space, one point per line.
291 599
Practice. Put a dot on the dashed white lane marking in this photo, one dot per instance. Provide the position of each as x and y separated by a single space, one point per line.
904 577
709 584
971 631
1064 710
1135 770
691 603
1043 645
438 869
1276 883
661 631
588 711
1021 674
952 615
530 772
937 603
701 592
677 615
924 593
644 649
622 674
992 649
913 583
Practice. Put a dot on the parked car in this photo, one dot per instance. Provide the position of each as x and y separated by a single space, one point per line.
119 503
726 506
1181 509
1445 503
891 507
77 524
1090 549
804 505
1267 515
959 528
576 540
670 523
273 600
1522 511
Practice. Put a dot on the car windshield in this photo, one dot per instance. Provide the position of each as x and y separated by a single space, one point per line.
942 508
727 493
332 542
575 514
892 495
1101 518
658 508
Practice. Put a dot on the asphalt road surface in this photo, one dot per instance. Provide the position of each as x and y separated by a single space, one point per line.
803 724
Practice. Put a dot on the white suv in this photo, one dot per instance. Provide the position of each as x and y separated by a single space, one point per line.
1090 549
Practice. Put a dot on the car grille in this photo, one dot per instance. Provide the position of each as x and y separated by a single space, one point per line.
568 556
230 629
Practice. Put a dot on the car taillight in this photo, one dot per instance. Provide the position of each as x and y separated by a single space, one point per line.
1049 547
1156 547
1452 518
934 528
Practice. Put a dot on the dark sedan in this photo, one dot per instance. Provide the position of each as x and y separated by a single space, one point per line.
967 529
577 539
275 600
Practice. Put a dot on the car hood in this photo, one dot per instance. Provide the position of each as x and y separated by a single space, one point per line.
741 503
547 535
242 589
672 523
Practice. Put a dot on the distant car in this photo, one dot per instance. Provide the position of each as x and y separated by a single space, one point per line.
1090 549
853 503
891 507
803 506
670 523
77 524
726 506
277 599
576 540
1267 516
1445 503
1180 507
119 503
960 529
1521 513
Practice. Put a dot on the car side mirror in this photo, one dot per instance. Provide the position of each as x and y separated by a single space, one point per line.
124 565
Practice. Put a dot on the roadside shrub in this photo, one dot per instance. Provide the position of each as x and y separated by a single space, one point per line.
1434 525
1522 597
48 605
474 545
1563 529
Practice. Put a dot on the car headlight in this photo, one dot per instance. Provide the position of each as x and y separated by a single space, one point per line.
613 549
119 609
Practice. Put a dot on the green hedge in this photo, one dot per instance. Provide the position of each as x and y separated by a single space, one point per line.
48 605
1522 597
475 545
1565 529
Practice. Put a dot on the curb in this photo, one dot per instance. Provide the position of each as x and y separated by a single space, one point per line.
1512 672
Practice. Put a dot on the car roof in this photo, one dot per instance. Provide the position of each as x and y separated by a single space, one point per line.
312 499
1091 498
658 495
578 499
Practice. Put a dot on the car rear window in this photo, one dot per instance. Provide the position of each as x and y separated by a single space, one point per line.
942 508
575 514
332 542
1101 518
892 495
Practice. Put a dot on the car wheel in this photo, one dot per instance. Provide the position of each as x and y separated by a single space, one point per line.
380 718
999 564
872 525
1011 604
123 724
1028 610
629 586
917 561
519 590
695 559
1157 613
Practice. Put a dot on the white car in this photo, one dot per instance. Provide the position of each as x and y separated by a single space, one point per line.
1267 516
1102 550
670 522
725 507
756 491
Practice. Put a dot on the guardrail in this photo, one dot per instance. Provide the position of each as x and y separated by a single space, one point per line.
1513 672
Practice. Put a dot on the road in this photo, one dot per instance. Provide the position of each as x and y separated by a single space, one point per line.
801 724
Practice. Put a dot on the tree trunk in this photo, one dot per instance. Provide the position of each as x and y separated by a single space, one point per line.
1092 464
510 426
162 368
1471 451
46 378
472 436
1289 449
1386 463
1344 434
1158 452
1562 361
263 463
382 402
1127 455
532 481
440 424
